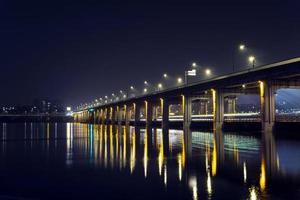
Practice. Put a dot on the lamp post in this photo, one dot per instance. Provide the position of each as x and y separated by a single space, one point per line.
242 47
159 86
252 60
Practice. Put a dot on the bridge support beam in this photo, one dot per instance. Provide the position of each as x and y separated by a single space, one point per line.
218 108
112 115
267 105
118 115
137 112
126 115
187 110
164 105
148 113
231 104
203 107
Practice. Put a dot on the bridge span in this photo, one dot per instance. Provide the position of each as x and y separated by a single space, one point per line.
216 97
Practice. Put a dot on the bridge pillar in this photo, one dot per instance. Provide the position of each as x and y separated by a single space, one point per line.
203 106
231 104
137 113
148 112
187 110
112 115
155 109
118 115
101 116
267 105
126 115
164 104
97 116
86 117
218 108
106 116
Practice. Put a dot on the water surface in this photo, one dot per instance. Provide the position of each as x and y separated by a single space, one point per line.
84 161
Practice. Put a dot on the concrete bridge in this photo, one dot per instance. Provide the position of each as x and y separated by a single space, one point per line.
216 98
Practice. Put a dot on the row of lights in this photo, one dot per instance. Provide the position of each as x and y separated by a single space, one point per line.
124 95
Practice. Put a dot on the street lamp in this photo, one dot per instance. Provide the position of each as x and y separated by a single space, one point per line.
242 47
159 86
251 59
179 80
165 75
131 87
145 90
146 82
208 72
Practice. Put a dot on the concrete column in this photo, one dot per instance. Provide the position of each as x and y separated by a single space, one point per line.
106 115
98 116
155 112
231 104
95 114
203 107
218 108
126 115
137 112
218 152
165 112
267 105
101 116
187 110
148 111
118 115
113 115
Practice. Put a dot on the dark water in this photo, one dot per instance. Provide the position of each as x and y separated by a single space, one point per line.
77 161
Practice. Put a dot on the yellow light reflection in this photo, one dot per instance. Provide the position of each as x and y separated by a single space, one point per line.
105 146
111 146
214 160
165 174
132 151
181 159
208 184
235 153
160 154
253 193
124 146
117 145
193 187
145 158
262 179
101 142
245 172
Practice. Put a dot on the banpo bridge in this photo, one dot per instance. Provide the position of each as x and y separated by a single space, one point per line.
214 97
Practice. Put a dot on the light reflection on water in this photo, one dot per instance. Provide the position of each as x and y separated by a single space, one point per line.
213 165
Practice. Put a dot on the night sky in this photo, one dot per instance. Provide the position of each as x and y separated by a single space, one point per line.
75 51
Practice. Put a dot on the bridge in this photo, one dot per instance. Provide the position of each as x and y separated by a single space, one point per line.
214 97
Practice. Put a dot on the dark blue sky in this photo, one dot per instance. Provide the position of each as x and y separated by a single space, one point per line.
75 51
